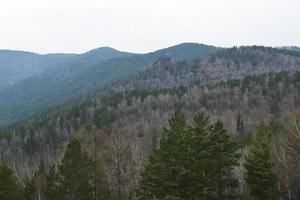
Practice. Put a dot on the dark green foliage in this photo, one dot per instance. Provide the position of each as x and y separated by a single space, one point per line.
261 177
10 189
72 180
191 163
52 184
214 156
223 157
75 173
103 117
165 173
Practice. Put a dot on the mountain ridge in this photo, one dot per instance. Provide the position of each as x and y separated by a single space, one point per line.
86 73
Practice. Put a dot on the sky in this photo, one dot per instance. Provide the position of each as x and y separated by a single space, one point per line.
76 26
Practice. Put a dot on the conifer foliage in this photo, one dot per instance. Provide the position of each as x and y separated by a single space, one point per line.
9 186
52 184
191 163
71 179
75 173
261 177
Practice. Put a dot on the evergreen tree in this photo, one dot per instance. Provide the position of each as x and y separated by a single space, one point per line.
198 155
191 163
10 189
164 175
223 157
75 173
52 184
261 178
213 156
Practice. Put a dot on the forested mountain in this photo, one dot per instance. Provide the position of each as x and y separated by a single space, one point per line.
160 89
82 74
223 65
253 91
19 65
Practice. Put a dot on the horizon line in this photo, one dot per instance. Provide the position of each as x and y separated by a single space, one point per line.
135 52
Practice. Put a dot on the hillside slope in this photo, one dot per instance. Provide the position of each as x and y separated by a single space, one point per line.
259 85
19 65
84 74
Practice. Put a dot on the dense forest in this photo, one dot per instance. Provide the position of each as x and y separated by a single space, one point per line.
196 160
222 126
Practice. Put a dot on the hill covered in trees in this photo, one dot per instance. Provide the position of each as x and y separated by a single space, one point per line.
124 135
80 75
18 65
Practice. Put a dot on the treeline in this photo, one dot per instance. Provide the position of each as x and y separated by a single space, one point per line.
193 161
224 65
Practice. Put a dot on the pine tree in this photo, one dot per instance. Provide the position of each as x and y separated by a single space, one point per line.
191 163
9 186
261 178
197 153
223 157
164 174
75 173
52 184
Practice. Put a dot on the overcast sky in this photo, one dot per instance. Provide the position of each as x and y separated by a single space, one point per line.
45 26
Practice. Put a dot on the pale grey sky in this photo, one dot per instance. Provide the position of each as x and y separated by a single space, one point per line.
45 26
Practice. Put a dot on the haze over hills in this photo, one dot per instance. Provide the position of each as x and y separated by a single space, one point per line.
145 115
78 74
194 84
127 100
137 118
19 65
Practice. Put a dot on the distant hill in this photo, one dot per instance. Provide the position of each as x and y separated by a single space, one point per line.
292 48
82 74
19 65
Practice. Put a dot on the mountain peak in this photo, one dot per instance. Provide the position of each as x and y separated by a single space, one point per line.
104 53
102 50
186 51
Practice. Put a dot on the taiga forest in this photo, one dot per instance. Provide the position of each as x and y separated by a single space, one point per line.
190 121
